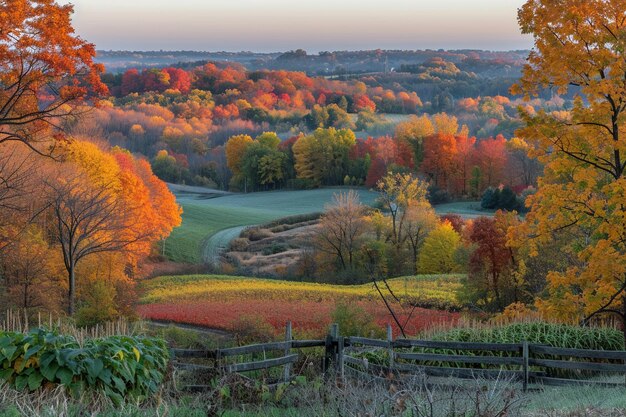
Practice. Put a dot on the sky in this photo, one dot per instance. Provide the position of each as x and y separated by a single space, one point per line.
313 25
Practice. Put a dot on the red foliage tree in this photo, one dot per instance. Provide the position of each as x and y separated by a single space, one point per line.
492 159
439 156
179 79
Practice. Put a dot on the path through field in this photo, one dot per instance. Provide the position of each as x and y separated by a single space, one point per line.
212 218
218 243
206 214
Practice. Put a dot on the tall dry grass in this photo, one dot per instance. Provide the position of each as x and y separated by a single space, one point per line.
20 321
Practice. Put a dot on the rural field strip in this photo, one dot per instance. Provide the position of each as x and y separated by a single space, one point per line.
213 218
205 217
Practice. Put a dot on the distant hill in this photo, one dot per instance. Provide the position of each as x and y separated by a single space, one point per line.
322 63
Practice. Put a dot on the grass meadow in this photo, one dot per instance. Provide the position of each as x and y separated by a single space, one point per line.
205 215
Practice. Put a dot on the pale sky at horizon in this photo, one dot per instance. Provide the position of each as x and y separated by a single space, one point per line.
280 25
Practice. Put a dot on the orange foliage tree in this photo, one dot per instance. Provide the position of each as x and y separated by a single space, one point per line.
106 203
44 69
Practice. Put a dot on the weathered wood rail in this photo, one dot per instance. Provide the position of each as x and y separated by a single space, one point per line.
405 358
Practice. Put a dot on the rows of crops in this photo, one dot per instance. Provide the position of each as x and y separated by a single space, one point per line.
219 301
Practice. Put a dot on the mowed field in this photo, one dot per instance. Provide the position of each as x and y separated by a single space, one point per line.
218 302
211 219
206 214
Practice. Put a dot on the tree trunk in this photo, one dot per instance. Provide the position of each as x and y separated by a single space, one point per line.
624 317
71 294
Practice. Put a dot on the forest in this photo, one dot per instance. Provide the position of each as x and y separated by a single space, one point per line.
435 193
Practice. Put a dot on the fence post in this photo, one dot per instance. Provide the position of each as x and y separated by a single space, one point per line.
288 338
329 355
390 342
525 354
340 347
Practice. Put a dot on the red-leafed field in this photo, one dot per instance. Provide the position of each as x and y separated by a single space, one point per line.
219 302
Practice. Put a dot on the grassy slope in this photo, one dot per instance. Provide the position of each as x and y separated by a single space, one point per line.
202 218
205 214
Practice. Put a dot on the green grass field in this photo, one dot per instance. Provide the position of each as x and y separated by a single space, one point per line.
212 219
204 217
465 209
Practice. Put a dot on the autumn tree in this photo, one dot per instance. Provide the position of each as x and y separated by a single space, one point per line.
87 220
101 203
491 278
413 132
235 150
583 189
29 270
340 229
398 192
17 191
440 154
492 160
322 157
438 251
463 160
420 221
403 197
445 124
44 70
523 169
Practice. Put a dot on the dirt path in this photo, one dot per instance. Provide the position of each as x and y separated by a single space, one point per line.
218 243
222 334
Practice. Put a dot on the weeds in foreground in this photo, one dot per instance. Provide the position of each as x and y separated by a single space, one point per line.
235 396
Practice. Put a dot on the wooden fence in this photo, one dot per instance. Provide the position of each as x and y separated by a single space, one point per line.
406 358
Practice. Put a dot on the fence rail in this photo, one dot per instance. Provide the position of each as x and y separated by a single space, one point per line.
526 362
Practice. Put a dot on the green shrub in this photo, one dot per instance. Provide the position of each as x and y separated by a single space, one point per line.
355 321
496 198
120 366
274 249
98 305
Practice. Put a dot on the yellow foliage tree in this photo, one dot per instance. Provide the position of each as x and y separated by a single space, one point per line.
235 149
323 156
437 254
413 132
582 193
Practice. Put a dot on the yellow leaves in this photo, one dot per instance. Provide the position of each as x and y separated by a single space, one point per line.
235 289
137 353
99 166
235 149
437 254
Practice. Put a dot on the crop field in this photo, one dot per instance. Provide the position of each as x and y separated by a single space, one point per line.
218 301
206 214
